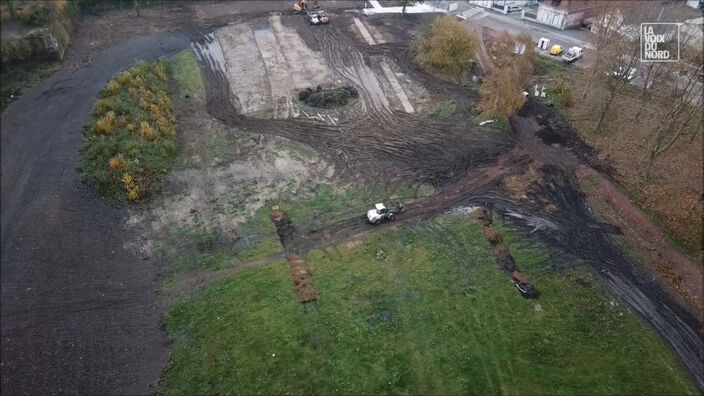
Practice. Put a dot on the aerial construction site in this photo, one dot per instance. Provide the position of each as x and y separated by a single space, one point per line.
351 197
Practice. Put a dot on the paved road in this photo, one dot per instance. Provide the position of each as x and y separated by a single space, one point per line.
78 312
515 25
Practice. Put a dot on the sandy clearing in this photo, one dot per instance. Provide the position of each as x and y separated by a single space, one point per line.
277 70
363 30
245 68
407 107
307 67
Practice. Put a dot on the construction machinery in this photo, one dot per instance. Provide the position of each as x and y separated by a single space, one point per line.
319 17
381 213
300 6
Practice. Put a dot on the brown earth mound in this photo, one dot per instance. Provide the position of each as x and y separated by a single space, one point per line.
302 283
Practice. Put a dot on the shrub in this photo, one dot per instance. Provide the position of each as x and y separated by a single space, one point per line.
562 92
101 107
106 125
124 78
111 89
35 15
117 162
147 132
326 98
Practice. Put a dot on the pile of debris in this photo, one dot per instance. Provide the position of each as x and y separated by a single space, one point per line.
328 97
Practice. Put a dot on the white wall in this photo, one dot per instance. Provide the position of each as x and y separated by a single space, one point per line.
551 16
482 3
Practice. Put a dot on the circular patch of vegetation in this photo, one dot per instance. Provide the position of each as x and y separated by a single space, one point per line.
328 97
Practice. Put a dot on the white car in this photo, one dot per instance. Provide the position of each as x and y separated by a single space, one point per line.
572 54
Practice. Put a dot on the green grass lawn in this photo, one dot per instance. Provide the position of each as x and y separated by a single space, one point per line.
420 309
186 75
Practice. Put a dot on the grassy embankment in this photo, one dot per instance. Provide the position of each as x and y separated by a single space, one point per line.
419 309
131 138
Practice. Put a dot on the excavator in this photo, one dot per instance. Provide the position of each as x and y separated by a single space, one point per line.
300 6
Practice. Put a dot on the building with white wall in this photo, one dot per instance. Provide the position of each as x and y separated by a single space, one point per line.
564 14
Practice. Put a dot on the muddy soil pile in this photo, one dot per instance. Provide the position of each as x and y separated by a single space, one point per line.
300 273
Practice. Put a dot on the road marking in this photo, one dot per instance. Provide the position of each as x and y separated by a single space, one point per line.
397 87
470 12
375 4
363 30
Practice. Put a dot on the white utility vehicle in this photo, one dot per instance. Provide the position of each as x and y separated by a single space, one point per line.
381 213
318 17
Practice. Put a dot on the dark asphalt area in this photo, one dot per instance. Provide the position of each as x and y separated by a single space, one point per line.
78 309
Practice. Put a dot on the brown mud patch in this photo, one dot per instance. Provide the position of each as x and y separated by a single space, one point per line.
300 273
302 282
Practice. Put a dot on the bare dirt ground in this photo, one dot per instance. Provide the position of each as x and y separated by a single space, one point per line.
467 166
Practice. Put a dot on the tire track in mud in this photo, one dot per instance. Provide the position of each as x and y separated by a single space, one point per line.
350 65
572 229
466 168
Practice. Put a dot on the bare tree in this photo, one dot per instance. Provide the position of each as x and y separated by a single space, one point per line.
407 3
502 90
682 112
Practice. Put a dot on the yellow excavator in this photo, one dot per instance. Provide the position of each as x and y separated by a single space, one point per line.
300 6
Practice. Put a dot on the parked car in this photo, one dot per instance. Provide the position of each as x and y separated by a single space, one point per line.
513 8
556 50
572 54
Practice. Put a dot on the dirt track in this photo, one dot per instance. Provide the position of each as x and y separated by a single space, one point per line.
467 167
78 312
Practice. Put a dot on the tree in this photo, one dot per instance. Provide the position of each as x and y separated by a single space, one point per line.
447 47
501 94
408 3
502 90
13 9
682 111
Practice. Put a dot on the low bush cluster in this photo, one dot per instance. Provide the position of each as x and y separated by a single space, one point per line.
36 14
326 98
130 140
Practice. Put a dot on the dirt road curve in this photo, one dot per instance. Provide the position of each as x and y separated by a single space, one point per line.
77 308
